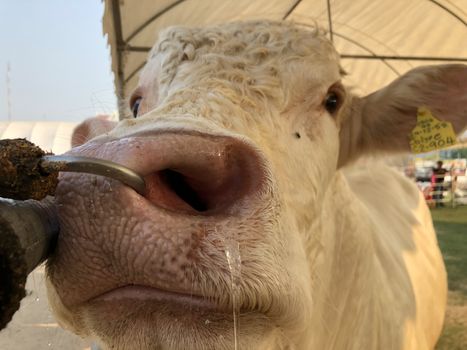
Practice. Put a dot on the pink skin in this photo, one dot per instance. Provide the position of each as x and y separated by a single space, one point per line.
91 127
119 251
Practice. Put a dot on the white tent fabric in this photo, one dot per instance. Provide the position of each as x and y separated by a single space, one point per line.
378 40
50 136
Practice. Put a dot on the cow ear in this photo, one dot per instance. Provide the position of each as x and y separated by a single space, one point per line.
91 128
384 120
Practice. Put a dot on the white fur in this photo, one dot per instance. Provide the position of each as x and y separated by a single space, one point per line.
346 257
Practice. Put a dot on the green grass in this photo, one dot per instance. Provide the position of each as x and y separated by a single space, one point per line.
450 215
451 337
451 228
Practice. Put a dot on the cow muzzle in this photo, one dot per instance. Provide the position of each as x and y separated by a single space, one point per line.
190 173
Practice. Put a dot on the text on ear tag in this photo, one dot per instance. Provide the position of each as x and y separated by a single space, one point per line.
430 133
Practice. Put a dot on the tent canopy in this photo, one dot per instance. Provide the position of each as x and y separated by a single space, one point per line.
377 40
50 136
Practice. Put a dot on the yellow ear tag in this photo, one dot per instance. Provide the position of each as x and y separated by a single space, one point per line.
430 133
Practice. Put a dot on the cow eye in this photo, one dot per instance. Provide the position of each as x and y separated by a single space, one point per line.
332 102
135 103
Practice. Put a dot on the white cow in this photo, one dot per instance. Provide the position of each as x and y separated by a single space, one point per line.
256 231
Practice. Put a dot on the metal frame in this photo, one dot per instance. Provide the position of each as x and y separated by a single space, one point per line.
331 35
448 11
153 18
406 58
123 45
289 11
120 83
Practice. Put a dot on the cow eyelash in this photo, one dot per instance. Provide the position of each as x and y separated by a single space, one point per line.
334 98
135 103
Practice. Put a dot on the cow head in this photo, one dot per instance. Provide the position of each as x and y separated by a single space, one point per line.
239 131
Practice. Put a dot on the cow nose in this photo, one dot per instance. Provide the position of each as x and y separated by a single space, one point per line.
205 175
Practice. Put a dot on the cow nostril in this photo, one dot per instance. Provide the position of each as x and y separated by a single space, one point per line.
210 178
181 187
193 191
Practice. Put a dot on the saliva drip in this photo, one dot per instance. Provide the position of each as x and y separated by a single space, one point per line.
232 253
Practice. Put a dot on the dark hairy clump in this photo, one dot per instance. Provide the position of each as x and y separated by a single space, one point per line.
21 176
13 273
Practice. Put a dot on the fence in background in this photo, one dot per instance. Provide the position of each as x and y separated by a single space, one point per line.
451 191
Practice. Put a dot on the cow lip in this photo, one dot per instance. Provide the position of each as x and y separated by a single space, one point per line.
143 293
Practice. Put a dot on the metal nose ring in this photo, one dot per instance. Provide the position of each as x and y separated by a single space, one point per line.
94 166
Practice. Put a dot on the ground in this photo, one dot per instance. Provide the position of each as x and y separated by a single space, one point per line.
33 327
451 227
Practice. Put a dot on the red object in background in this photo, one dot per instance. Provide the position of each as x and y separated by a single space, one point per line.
426 190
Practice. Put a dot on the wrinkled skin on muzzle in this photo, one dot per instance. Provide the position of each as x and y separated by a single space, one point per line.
147 261
249 235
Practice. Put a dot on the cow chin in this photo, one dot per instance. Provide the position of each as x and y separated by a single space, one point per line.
139 326
148 325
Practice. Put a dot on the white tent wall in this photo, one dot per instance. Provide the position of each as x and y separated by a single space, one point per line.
50 136
378 40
